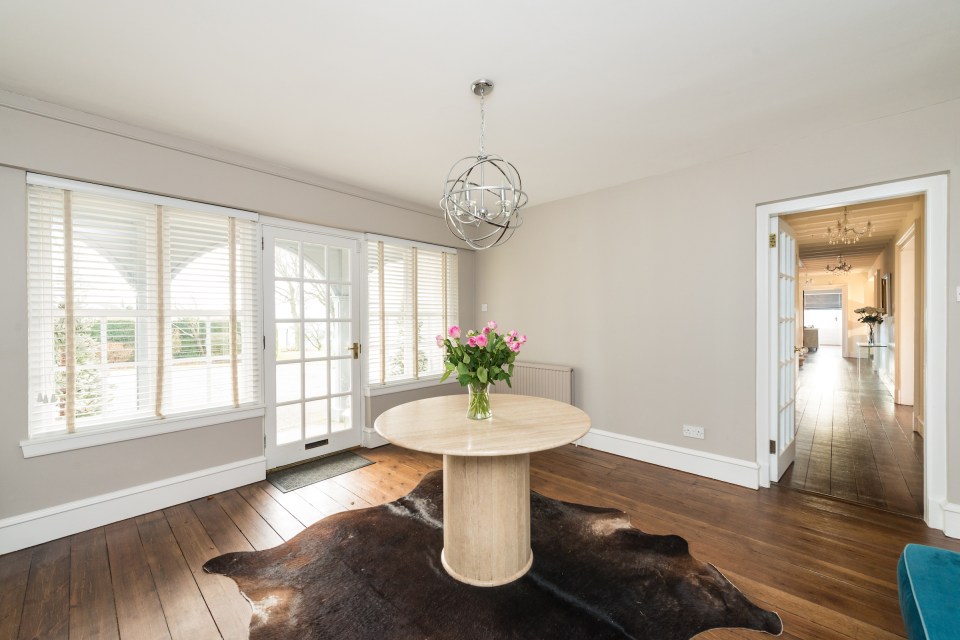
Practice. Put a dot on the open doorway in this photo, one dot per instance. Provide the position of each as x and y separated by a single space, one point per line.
858 434
930 392
822 316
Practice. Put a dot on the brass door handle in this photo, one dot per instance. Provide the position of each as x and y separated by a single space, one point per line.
356 350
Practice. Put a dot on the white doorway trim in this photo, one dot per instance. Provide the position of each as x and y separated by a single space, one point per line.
934 189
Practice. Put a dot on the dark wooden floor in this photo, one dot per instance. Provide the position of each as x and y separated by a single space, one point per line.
853 442
828 567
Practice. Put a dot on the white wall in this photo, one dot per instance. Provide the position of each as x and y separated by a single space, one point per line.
583 274
30 142
828 323
884 361
904 292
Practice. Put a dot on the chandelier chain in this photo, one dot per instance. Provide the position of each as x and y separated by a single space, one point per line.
483 122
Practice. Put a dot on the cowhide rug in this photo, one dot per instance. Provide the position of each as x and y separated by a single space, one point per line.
375 574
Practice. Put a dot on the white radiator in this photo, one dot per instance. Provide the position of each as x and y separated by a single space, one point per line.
541 380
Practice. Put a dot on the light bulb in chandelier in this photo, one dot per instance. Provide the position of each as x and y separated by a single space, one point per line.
483 194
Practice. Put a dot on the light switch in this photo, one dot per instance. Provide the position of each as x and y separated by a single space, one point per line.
958 294
483 307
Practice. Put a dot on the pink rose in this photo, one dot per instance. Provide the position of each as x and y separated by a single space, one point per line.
472 341
440 341
522 339
515 347
512 334
486 330
482 340
492 326
454 332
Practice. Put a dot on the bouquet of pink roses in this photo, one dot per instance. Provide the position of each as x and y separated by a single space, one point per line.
480 356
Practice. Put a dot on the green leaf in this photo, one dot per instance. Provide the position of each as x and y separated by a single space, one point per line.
446 374
508 383
450 366
482 374
466 359
510 370
462 369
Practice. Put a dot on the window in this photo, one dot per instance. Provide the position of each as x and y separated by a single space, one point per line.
412 297
141 307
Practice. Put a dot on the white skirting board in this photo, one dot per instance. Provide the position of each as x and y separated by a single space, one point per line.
370 439
951 519
28 529
740 472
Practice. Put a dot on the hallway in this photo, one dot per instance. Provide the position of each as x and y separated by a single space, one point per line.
853 442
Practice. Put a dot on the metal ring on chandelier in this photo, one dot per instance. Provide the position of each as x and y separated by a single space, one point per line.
482 212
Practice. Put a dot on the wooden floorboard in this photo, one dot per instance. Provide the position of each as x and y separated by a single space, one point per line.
853 442
257 530
93 614
828 567
139 613
46 603
229 610
187 614
14 572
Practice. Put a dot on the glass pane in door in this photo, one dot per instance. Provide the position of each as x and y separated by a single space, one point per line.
313 357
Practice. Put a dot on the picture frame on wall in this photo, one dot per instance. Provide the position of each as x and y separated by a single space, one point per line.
886 293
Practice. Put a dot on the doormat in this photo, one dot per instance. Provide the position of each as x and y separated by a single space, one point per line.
375 574
292 478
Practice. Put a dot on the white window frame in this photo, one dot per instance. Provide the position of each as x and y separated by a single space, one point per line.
146 427
398 386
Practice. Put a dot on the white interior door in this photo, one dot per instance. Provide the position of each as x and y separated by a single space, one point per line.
311 344
784 325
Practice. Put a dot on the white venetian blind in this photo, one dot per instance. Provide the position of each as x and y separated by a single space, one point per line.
413 298
141 307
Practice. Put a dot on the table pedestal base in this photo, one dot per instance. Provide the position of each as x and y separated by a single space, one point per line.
486 518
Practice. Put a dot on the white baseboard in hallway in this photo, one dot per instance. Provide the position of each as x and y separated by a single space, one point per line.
709 465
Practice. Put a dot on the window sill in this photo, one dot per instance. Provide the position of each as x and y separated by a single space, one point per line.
45 445
399 387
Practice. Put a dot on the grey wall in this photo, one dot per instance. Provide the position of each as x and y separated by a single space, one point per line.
649 289
35 143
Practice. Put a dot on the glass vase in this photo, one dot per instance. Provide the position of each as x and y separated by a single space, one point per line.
870 337
478 401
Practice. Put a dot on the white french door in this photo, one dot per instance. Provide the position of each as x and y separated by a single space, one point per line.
311 344
783 291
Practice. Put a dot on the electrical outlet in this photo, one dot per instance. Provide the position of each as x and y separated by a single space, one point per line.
483 307
693 432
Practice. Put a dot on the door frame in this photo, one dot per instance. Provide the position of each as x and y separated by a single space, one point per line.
361 286
897 298
934 188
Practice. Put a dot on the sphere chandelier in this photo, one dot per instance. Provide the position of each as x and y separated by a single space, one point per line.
483 194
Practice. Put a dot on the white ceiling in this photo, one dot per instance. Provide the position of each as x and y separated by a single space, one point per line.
588 94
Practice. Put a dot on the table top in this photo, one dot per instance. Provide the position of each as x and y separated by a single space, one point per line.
520 424
870 346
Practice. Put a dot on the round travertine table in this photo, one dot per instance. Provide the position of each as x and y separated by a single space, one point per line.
486 474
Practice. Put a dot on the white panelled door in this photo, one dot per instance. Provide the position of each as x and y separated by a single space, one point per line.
311 344
784 323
